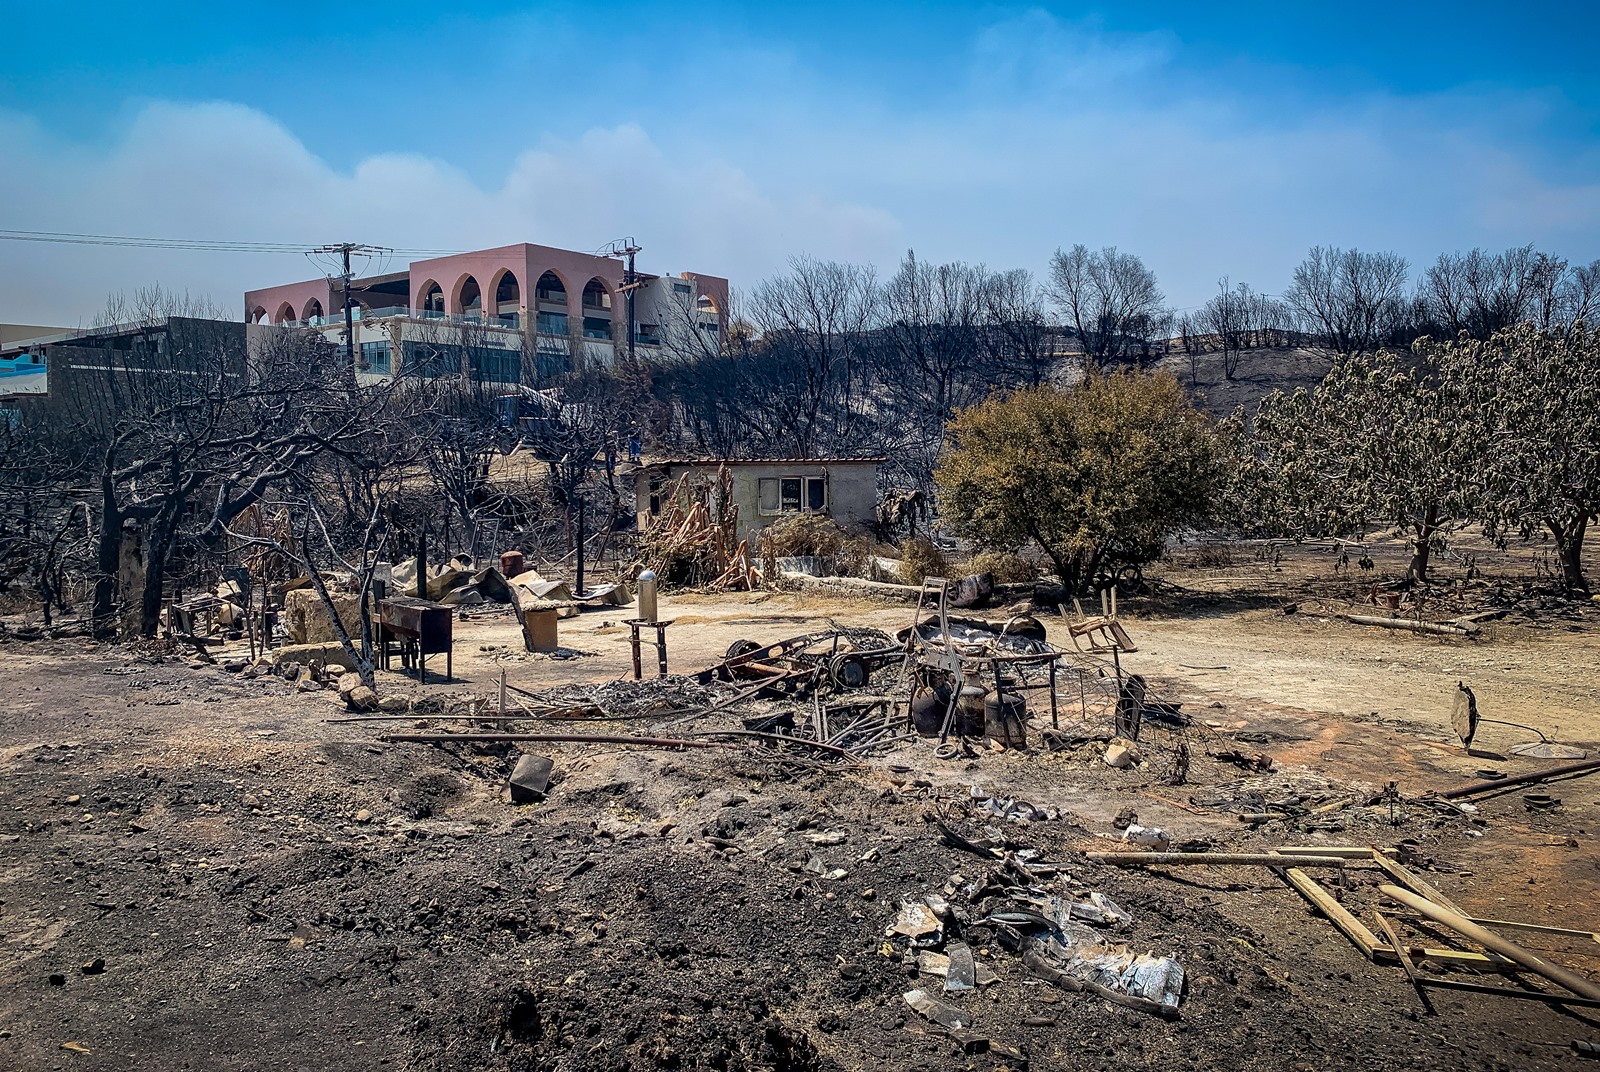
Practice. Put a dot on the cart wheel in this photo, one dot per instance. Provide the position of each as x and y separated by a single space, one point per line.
741 647
849 672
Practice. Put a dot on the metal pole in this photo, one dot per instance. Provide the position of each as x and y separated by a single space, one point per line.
349 319
632 327
579 593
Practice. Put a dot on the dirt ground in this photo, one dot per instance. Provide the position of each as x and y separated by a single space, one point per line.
199 871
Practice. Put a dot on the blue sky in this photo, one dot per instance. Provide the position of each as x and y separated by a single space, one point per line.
1210 140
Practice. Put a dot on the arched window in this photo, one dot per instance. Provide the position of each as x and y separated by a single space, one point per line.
596 296
469 296
286 314
431 302
313 311
550 291
506 291
596 310
258 315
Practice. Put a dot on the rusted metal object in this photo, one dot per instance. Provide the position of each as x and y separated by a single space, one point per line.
419 628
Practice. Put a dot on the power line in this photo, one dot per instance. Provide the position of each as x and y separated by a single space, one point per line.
199 244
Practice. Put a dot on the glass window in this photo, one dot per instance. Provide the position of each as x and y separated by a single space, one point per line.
375 357
682 288
552 324
767 488
789 492
428 361
816 492
596 327
493 365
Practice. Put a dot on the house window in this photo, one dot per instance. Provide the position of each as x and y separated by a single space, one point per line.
375 357
682 288
493 365
428 361
792 494
596 327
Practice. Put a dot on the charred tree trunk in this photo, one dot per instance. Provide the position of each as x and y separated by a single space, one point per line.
108 559
1569 551
1422 546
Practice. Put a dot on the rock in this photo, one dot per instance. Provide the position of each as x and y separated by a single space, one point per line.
234 666
427 705
348 683
334 671
308 685
1148 837
94 967
1121 753
396 704
197 664
530 778
304 654
362 698
363 816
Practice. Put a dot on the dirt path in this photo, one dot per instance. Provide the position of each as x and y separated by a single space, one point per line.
270 890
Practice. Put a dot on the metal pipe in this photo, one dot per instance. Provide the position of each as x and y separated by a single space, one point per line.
568 738
1489 786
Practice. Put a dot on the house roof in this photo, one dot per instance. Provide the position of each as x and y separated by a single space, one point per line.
665 463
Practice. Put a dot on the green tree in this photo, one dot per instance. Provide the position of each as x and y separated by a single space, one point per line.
1539 392
1097 474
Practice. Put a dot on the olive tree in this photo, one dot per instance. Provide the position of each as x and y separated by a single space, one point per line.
1539 393
1096 474
1385 439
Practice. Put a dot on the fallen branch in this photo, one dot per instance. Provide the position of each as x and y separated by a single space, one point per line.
1413 625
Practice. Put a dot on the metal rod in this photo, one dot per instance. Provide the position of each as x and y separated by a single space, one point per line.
557 738
779 737
1583 767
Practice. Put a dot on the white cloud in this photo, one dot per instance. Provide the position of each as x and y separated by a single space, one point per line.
1055 133
224 171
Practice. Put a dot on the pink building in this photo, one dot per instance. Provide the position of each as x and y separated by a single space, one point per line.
574 304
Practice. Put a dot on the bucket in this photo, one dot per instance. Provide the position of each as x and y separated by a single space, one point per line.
1006 718
539 629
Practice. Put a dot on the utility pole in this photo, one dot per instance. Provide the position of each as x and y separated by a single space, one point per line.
627 247
628 281
345 249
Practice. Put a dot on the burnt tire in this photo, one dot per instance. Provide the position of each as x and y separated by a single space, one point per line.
850 672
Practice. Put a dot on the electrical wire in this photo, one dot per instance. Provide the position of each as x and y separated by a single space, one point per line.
200 244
